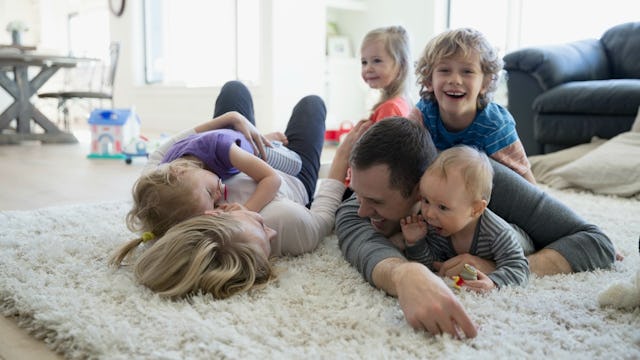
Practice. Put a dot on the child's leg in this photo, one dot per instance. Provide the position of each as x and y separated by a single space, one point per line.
305 133
234 96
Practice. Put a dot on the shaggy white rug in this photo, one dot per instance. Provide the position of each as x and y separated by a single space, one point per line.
55 281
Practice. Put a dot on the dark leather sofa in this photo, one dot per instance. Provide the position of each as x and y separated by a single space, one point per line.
563 95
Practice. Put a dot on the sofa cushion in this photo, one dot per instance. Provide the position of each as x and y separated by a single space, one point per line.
613 168
622 45
564 130
542 166
619 97
557 64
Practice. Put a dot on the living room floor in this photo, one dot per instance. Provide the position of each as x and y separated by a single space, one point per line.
36 175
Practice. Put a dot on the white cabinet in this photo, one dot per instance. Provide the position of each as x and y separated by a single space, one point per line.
345 91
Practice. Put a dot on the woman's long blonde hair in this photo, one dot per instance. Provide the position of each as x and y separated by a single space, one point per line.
203 254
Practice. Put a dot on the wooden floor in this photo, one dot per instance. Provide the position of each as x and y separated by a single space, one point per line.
35 176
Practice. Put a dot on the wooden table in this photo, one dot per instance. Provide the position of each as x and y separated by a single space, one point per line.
22 88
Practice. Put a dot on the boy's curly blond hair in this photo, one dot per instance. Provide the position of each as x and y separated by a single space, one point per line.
459 42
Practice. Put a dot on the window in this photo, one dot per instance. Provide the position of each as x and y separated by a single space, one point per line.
512 24
201 42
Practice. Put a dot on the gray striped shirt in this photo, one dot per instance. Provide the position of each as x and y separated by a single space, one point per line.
494 240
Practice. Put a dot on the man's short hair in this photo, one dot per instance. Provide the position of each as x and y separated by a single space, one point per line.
403 146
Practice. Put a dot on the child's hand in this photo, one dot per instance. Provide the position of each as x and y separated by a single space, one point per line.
414 228
482 285
258 141
231 207
277 136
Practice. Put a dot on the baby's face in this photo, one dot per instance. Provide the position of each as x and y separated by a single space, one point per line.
445 204
207 188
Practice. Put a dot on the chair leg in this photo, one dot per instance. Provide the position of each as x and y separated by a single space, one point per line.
65 114
60 119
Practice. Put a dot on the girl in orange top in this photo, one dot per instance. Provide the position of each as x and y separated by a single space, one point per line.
386 66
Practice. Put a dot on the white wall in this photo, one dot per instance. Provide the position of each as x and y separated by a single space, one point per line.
292 67
293 54
348 98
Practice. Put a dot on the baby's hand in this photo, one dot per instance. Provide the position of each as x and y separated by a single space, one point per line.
482 285
413 228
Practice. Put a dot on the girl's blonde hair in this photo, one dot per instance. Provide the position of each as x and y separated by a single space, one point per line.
474 165
161 198
459 42
204 254
396 43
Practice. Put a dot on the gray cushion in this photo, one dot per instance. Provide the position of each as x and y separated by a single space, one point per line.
620 97
622 45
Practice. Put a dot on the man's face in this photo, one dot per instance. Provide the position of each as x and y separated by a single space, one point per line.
380 203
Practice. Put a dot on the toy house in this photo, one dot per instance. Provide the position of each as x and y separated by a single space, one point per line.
111 130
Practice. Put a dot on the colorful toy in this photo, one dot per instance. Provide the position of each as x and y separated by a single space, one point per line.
135 148
468 273
110 129
335 136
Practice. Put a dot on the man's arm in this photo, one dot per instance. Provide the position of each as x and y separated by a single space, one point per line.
360 243
563 240
426 301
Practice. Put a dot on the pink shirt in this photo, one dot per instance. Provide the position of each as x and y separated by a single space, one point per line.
397 106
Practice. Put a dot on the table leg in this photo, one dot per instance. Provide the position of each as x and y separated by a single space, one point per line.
21 89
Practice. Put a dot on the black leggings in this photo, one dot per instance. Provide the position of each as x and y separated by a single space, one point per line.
305 129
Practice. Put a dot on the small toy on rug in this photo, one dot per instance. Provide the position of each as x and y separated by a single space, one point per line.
136 147
621 295
468 273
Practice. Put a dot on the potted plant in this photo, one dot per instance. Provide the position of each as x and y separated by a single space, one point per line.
16 28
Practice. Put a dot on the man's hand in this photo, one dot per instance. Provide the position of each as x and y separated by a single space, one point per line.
427 302
455 265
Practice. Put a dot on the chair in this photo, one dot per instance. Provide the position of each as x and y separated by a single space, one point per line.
105 91
563 95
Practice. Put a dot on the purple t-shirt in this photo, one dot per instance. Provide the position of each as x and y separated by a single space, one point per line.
212 148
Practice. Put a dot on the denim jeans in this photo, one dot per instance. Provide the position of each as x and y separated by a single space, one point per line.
305 129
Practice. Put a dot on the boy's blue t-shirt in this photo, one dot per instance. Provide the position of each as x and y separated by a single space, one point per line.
492 129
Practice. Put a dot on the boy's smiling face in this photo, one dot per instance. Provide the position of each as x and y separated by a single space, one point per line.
456 83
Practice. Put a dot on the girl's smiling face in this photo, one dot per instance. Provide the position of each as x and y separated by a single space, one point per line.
379 69
456 83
